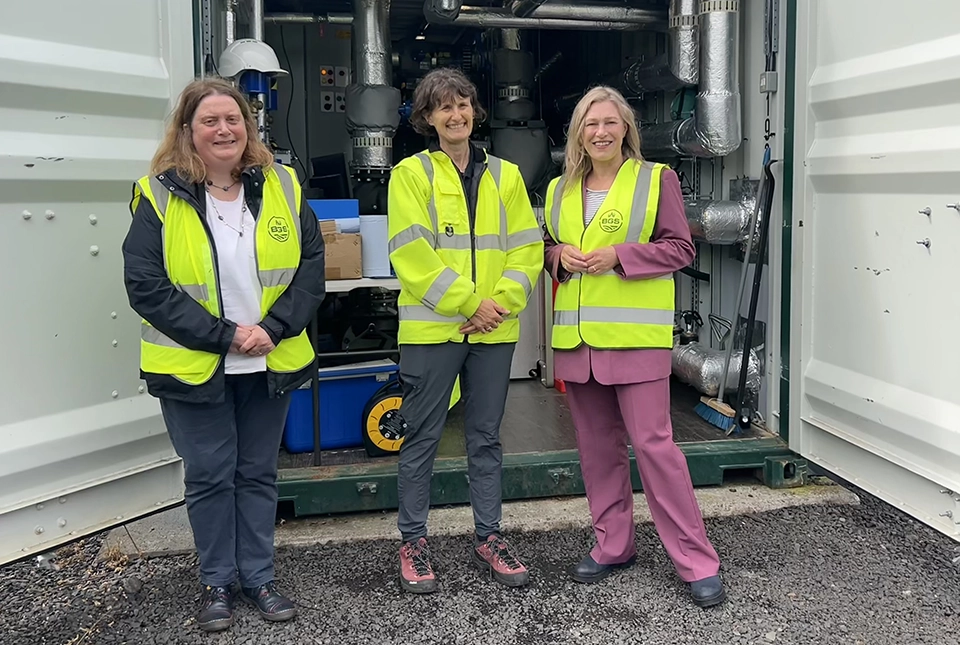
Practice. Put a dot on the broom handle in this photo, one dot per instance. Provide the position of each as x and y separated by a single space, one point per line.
728 354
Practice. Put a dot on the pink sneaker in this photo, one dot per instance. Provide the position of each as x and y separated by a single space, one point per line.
416 572
494 556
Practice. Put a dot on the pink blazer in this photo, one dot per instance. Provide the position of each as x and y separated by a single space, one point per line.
670 249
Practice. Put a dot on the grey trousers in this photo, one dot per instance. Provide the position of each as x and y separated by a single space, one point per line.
229 452
428 373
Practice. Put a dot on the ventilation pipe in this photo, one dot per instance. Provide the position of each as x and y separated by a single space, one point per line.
231 22
720 222
546 16
714 130
372 103
679 67
308 18
701 367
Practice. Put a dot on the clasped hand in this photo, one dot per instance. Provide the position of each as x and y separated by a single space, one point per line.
251 340
595 262
487 318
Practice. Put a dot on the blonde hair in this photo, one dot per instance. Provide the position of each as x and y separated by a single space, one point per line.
577 163
177 151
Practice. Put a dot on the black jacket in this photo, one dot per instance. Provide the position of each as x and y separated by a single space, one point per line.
184 320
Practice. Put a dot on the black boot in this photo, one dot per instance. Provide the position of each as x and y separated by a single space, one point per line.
707 592
216 609
271 604
587 570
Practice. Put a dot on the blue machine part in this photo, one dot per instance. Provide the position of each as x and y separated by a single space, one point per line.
253 83
405 110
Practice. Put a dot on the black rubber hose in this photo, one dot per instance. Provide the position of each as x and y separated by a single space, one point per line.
696 275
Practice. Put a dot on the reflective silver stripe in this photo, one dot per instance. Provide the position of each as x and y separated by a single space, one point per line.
198 292
490 242
154 337
422 314
555 210
495 167
439 287
411 234
638 210
290 193
160 194
627 315
522 238
455 242
276 277
521 278
432 203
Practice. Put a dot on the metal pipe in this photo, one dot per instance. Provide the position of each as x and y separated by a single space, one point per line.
523 8
714 129
547 16
230 34
256 19
701 367
308 18
372 102
720 222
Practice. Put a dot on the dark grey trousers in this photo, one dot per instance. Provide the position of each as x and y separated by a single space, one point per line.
428 373
229 452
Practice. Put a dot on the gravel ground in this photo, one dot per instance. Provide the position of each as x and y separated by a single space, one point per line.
807 575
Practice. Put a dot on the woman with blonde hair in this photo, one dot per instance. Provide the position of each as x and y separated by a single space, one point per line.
224 263
616 233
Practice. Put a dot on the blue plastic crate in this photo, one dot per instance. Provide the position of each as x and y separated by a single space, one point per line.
335 208
344 392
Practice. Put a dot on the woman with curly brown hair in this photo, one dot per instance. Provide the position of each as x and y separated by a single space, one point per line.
467 249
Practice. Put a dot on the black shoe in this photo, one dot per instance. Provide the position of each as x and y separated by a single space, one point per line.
271 604
587 570
216 610
707 592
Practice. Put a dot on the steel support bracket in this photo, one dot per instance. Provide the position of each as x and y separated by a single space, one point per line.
785 472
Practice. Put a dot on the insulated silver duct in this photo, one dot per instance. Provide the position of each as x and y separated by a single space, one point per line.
256 19
231 20
372 102
523 8
546 16
308 18
679 67
720 222
715 128
701 367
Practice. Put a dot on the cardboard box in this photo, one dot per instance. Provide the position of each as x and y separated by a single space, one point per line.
343 257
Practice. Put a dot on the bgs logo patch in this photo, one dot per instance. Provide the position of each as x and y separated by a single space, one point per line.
611 221
278 229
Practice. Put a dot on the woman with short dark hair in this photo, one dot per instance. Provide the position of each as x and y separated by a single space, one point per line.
467 249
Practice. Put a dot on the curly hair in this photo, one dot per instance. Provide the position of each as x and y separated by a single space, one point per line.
177 151
440 85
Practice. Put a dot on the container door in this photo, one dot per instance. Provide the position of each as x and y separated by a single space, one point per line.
875 360
84 90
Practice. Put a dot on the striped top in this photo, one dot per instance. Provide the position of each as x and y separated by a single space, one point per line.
594 199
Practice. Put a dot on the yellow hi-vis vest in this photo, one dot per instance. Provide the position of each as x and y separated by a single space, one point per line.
189 261
443 273
606 311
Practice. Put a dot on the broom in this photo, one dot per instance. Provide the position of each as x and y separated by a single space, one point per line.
713 410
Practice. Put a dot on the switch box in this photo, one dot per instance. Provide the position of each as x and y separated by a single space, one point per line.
341 103
768 82
327 78
326 102
342 76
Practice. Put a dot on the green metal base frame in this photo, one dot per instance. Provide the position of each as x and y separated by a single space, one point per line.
373 487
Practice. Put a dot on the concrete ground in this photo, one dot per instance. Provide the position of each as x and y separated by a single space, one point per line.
814 565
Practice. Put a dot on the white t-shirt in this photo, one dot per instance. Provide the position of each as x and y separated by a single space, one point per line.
239 284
